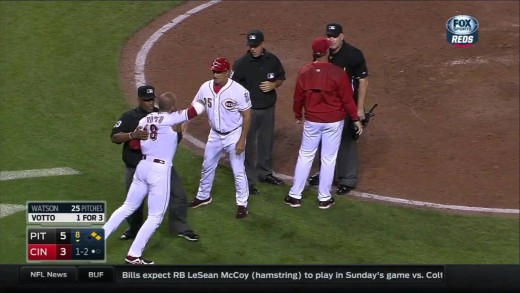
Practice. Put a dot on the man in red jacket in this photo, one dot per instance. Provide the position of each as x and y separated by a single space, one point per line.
325 92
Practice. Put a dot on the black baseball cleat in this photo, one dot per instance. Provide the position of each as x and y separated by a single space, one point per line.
314 179
189 235
271 179
133 260
195 203
327 203
253 190
343 189
127 235
292 202
241 212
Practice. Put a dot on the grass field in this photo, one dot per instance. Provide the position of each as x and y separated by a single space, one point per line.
60 97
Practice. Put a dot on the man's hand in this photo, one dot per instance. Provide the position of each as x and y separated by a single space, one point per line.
240 146
359 127
267 86
361 114
139 133
183 127
299 121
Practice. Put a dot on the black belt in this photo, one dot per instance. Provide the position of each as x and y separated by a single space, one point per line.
225 133
263 108
155 160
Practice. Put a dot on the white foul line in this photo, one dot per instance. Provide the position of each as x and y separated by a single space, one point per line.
140 79
140 61
11 175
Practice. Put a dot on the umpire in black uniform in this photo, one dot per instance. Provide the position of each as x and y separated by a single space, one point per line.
260 72
353 62
125 132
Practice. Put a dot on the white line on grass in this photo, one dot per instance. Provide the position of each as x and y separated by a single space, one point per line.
140 61
8 209
140 79
11 175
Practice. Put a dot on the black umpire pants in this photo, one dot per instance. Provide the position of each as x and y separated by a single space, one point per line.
259 146
177 208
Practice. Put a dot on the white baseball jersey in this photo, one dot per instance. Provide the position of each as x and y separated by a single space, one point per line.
162 139
226 121
223 108
152 177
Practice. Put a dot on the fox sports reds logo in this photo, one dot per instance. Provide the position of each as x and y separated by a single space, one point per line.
462 31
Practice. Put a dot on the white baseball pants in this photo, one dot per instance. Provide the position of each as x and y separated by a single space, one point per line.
214 147
152 179
330 136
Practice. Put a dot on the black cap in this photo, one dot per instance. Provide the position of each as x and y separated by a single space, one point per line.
333 29
255 38
146 92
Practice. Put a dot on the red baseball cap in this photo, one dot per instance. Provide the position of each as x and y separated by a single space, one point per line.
320 46
220 64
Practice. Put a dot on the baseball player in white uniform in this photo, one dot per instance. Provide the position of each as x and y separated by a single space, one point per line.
228 106
152 175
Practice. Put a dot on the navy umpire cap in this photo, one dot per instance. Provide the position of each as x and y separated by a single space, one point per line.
146 92
333 29
255 38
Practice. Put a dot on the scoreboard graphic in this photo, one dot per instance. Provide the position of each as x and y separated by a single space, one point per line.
66 212
79 237
47 244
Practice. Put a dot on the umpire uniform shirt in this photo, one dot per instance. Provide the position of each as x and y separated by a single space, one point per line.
128 123
353 62
250 72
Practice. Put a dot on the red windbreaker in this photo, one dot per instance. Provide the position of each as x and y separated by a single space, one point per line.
325 92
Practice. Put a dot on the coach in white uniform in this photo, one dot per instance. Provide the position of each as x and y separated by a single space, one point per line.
152 175
228 106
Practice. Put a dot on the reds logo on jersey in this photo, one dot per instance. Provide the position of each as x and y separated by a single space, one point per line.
229 104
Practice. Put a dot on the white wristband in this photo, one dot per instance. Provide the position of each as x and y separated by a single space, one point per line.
198 107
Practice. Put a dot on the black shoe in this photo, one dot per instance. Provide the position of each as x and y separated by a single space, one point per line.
189 235
127 235
271 179
241 212
327 204
138 260
315 179
343 189
195 203
253 190
292 202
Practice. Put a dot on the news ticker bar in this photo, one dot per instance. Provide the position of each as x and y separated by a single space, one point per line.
234 274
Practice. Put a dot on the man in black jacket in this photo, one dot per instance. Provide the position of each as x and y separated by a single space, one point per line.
260 72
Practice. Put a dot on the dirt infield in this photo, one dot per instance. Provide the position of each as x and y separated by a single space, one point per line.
447 126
